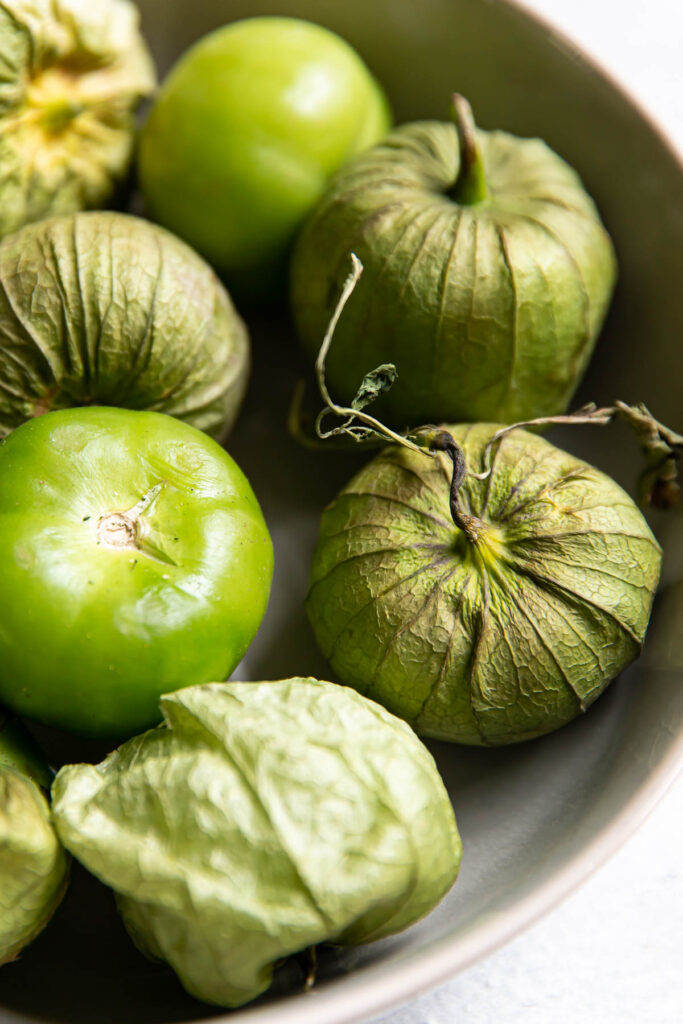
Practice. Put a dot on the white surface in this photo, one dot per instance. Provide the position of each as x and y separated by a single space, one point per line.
640 44
611 953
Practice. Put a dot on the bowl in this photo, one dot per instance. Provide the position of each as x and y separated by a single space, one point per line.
536 818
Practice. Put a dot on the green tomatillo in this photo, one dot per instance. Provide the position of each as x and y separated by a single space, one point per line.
489 594
244 135
106 309
134 559
487 274
262 819
33 864
73 73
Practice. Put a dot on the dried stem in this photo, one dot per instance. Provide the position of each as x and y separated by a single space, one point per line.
435 440
349 414
311 968
360 426
661 446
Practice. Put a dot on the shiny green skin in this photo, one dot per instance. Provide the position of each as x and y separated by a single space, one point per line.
33 864
490 641
262 819
107 309
489 311
90 634
245 133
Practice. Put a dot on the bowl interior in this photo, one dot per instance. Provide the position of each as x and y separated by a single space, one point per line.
534 818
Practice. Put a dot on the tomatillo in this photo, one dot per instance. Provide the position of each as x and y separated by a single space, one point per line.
134 559
244 135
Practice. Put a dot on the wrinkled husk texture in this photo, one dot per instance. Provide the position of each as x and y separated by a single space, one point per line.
261 819
73 73
107 309
490 642
489 311
33 864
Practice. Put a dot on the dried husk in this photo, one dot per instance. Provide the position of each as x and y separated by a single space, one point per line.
106 309
488 309
74 72
494 637
33 864
259 820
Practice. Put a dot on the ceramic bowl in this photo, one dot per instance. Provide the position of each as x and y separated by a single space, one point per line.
537 818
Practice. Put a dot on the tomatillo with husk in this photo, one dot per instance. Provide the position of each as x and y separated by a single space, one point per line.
489 594
488 274
73 74
33 864
106 309
135 559
258 821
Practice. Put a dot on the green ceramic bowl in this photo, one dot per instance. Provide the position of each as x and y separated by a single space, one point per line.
537 818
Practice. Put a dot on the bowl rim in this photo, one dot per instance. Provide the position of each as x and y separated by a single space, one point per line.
379 988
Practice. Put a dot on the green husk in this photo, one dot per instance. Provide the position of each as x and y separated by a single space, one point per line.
33 864
107 309
494 621
73 73
262 819
486 291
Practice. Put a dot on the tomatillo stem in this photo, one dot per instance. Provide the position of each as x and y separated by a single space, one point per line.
117 530
442 441
470 185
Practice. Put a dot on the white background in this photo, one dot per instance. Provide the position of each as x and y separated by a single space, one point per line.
613 952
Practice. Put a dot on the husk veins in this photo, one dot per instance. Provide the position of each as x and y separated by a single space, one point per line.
259 820
488 639
74 72
106 309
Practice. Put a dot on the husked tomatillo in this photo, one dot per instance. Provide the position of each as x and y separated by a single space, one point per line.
135 560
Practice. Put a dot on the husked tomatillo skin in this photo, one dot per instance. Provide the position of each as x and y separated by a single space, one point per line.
135 559
247 129
107 309
502 630
259 820
488 304
74 72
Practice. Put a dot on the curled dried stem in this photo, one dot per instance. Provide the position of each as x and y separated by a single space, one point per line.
662 447
433 440
361 426
357 424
